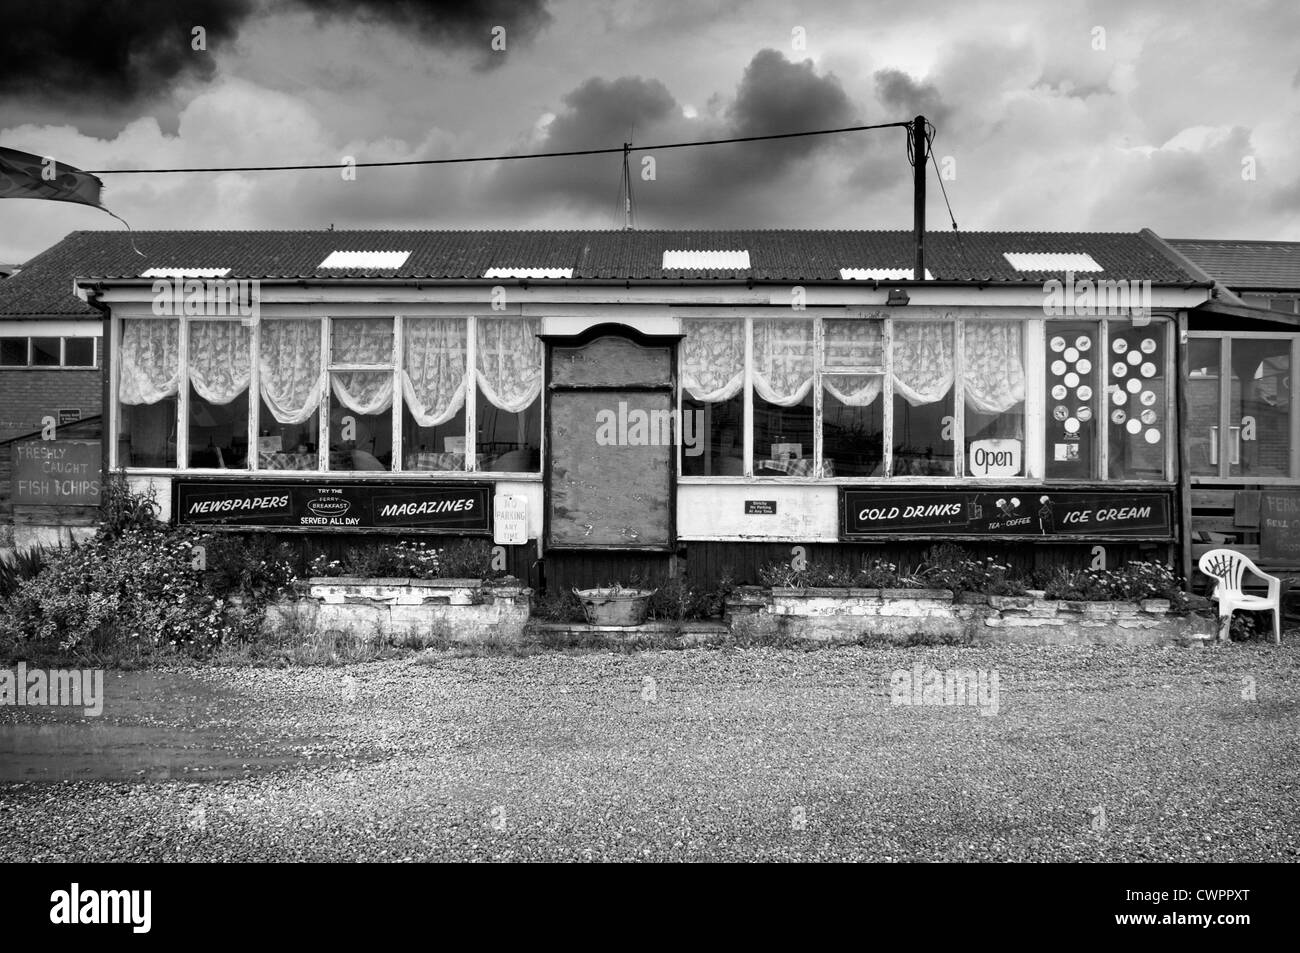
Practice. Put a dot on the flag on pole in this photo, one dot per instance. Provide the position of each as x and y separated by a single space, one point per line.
25 176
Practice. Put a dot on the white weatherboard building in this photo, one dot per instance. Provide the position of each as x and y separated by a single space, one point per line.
649 399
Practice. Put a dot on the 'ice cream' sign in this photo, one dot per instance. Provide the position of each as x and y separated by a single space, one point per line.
1023 512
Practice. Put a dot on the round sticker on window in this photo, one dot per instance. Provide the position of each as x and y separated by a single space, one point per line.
1072 426
1058 392
1118 416
1148 416
1134 358
1060 412
1148 398
1119 369
1148 369
1058 368
1134 426
1085 392
1118 397
1119 345
1153 436
1071 354
1084 366
1134 385
1083 342
1148 345
1071 379
1084 414
1058 344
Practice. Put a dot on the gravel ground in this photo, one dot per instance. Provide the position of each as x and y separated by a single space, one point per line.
1095 754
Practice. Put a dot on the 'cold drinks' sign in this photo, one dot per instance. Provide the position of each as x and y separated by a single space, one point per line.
1022 511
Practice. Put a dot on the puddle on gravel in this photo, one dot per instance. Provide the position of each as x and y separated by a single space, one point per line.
155 726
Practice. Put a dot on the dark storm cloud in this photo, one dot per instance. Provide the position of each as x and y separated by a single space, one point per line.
903 97
108 49
448 23
774 96
120 51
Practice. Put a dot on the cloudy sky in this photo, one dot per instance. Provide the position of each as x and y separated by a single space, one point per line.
1180 116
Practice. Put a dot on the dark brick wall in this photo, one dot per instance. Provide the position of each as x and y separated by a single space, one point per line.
28 395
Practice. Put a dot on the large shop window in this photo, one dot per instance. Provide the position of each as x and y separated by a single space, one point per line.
932 395
335 394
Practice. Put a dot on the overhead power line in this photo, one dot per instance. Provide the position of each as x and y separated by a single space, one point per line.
501 158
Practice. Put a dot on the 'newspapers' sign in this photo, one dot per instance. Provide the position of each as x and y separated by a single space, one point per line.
1021 512
445 507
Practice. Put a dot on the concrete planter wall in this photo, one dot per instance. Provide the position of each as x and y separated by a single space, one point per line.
905 614
433 609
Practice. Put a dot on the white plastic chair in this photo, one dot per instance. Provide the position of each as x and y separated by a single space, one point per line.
1227 566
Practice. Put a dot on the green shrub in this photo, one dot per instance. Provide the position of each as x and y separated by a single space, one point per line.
467 559
1134 581
256 568
122 510
138 590
23 565
678 601
460 559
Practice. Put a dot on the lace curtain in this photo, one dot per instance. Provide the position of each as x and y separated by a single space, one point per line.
924 369
291 379
993 368
220 365
509 361
783 360
362 341
433 368
713 359
150 361
363 392
848 344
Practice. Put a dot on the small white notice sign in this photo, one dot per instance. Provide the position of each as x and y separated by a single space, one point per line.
996 458
509 519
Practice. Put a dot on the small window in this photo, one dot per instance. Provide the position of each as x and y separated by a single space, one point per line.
45 352
13 352
79 352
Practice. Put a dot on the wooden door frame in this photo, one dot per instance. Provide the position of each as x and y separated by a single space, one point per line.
669 387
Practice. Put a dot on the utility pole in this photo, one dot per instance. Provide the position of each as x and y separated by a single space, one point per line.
627 187
919 160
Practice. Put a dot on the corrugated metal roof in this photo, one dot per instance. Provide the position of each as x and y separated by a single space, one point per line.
44 285
1245 264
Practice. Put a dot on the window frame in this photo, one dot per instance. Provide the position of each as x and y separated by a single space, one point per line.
1225 409
63 364
470 472
1036 331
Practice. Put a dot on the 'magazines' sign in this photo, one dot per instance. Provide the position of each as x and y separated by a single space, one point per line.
355 505
1019 512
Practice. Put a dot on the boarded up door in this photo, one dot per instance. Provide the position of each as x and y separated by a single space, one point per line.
611 444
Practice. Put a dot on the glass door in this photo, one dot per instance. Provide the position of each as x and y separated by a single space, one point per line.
1241 406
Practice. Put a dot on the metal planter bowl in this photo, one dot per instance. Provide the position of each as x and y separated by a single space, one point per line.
615 605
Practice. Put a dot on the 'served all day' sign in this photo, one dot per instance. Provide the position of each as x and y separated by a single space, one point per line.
56 473
357 505
1019 512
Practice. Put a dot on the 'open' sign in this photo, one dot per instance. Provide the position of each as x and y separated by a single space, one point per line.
995 458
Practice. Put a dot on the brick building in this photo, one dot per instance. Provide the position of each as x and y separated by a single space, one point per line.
49 342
